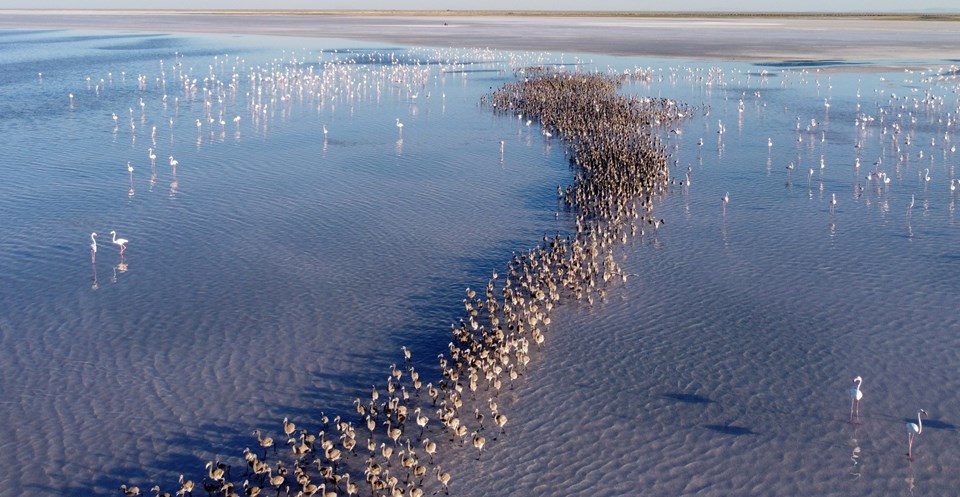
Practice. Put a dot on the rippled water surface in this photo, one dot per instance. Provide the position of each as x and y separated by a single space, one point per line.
303 237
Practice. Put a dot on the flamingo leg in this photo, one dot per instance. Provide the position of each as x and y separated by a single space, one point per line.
910 446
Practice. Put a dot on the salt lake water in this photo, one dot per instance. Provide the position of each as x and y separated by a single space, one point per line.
278 268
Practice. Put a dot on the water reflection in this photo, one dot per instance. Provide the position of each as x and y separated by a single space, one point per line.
121 267
856 470
93 260
910 480
95 284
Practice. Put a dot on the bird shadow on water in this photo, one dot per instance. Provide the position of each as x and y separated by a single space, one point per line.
687 398
188 453
933 424
725 429
436 304
731 430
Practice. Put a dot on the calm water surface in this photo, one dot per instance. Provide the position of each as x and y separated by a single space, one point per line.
278 268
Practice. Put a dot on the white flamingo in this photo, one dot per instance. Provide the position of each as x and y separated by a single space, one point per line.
855 396
914 429
122 242
93 246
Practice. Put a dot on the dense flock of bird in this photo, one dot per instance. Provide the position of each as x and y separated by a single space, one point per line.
396 441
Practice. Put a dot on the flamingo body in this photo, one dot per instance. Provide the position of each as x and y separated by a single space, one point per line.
122 242
855 395
914 429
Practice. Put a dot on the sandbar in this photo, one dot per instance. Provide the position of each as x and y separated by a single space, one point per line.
882 39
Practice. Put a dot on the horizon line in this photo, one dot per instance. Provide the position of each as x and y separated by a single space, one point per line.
928 13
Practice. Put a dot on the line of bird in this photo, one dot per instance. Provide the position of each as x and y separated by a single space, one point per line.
491 345
913 429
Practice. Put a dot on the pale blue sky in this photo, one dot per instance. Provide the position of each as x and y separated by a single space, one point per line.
629 5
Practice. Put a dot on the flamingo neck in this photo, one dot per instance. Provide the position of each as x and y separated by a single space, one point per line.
919 423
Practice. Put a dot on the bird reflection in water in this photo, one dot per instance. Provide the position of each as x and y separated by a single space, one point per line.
855 455
130 174
121 267
174 184
93 261
910 480
153 165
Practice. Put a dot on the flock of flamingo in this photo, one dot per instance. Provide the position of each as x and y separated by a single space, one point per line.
887 152
398 438
619 172
272 86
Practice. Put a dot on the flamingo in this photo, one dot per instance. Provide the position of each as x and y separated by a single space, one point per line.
478 442
186 487
130 491
914 429
122 242
855 396
93 246
399 126
444 479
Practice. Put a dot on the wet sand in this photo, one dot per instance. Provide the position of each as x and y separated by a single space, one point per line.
755 38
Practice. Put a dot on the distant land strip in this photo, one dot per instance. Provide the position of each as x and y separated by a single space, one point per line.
886 16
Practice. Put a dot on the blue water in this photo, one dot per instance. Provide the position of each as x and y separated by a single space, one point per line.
278 269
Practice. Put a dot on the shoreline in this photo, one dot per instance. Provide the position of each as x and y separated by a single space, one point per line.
899 16
718 36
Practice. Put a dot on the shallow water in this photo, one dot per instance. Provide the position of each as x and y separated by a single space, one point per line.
721 368
279 269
